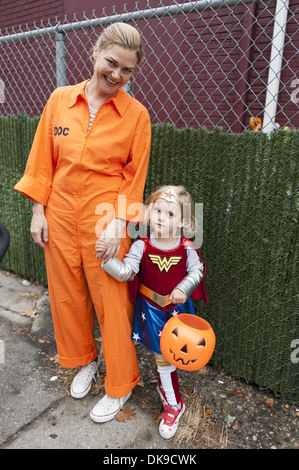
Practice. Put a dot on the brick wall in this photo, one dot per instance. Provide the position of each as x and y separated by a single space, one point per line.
230 49
244 63
22 12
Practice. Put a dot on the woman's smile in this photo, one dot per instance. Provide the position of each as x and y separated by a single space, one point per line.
110 82
113 69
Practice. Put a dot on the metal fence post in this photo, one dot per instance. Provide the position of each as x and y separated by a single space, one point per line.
277 47
60 41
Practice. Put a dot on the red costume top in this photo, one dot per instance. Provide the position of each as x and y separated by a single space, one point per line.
162 270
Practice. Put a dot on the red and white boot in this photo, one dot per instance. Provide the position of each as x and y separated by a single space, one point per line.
170 420
174 407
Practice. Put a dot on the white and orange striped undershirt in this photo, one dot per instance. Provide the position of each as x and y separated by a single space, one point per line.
92 115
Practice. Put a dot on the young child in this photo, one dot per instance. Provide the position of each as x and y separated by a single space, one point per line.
163 271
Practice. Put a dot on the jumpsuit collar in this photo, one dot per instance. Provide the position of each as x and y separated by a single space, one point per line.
121 99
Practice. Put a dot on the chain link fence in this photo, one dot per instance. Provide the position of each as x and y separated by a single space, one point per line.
208 63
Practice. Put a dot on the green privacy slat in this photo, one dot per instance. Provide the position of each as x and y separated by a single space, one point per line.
247 184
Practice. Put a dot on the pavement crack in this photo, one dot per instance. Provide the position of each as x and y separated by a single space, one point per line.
15 435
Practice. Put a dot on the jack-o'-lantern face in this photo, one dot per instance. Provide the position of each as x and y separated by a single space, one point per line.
187 342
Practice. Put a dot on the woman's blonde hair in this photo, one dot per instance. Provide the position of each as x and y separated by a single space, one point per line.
186 203
124 35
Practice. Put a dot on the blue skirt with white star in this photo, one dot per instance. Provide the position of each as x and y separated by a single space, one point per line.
149 322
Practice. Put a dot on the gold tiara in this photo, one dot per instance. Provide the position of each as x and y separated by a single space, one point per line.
170 196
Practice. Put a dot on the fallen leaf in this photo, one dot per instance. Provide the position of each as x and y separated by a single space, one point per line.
203 371
55 359
43 340
269 402
126 413
236 392
29 313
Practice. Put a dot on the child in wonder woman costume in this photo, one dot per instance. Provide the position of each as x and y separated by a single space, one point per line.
163 270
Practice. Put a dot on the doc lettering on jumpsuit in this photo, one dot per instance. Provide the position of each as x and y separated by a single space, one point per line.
72 173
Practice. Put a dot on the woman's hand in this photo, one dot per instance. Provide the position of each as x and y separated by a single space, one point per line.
109 244
177 297
39 225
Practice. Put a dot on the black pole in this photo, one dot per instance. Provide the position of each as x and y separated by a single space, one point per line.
4 240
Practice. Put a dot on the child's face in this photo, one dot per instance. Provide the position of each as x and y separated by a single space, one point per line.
166 218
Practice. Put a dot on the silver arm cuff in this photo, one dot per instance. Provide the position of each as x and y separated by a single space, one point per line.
117 269
190 282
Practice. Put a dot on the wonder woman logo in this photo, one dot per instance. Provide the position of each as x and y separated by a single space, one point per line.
164 263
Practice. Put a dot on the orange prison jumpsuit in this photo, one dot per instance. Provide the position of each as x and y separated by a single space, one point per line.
72 173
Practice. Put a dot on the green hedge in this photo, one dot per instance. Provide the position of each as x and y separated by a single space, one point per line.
247 183
23 256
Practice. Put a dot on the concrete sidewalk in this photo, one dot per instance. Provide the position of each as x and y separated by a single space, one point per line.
36 411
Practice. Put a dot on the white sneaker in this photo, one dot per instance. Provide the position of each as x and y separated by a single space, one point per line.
170 420
82 381
107 408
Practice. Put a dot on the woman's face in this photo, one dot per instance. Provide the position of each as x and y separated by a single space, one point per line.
113 68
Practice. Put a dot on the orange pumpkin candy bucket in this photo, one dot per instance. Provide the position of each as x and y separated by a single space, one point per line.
187 341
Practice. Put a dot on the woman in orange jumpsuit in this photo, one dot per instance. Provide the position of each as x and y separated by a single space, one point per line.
87 165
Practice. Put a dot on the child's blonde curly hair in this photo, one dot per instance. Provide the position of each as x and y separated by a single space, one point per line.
185 201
